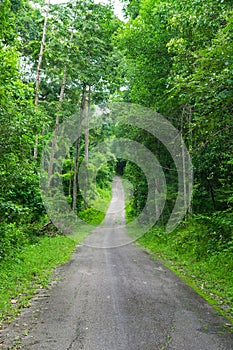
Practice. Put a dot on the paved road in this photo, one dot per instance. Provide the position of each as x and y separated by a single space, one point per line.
119 299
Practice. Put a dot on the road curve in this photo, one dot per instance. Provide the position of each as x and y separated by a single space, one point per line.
113 296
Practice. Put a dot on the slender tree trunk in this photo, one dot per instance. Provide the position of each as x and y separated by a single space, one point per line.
187 113
41 54
70 181
37 88
184 177
61 96
51 159
157 199
75 179
87 115
212 194
183 161
43 147
35 153
77 148
87 122
189 157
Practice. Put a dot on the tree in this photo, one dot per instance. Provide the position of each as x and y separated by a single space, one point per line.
178 59
39 69
19 191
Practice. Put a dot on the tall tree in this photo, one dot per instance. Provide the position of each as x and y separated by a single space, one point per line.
178 60
39 69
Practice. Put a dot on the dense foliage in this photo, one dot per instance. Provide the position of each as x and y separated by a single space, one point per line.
179 62
55 60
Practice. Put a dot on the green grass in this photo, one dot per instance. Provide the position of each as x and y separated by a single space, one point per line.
209 273
92 216
27 261
28 264
28 270
95 214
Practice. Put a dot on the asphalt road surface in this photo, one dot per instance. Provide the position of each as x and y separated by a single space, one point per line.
113 296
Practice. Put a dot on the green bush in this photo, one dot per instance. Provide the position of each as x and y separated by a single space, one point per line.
12 239
92 216
30 269
218 231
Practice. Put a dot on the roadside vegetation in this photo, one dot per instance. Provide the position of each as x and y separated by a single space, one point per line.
174 57
26 271
45 77
178 61
30 259
208 271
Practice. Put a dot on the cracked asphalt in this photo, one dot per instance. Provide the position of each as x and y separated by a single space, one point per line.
114 296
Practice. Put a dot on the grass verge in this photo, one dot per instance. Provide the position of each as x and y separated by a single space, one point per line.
28 270
27 261
209 274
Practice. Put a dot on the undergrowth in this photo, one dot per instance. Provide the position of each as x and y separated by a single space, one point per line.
29 270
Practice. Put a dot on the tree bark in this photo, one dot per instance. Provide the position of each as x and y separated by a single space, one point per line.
87 122
51 159
212 194
187 113
77 148
61 96
37 88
